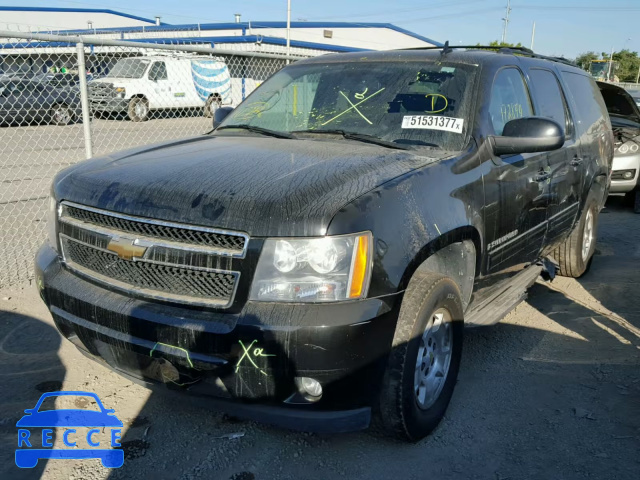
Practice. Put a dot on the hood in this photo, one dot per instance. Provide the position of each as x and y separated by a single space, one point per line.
260 185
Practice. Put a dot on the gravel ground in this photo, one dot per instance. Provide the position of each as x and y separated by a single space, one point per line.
553 391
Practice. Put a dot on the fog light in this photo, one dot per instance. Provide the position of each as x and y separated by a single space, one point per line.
309 386
627 175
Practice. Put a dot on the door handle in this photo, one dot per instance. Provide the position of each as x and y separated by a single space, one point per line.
577 161
542 176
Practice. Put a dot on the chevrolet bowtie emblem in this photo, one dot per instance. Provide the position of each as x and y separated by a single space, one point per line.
125 248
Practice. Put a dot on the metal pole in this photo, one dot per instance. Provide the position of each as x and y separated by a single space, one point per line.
610 65
84 100
506 22
288 30
533 34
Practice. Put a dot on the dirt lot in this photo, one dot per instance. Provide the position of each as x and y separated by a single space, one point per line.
551 392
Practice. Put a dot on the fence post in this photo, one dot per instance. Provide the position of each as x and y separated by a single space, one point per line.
84 100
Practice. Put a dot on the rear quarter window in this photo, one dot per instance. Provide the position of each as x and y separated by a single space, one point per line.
589 104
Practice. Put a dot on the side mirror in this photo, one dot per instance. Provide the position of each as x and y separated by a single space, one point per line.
220 114
528 135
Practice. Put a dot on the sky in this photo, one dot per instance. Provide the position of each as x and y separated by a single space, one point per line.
563 27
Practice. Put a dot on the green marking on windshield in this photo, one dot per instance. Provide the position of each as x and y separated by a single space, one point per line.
353 106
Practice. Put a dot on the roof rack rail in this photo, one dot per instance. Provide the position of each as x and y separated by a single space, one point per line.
524 51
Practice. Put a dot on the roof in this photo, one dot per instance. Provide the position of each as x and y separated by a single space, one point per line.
77 10
250 25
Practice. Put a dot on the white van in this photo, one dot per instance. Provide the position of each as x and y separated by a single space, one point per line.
138 85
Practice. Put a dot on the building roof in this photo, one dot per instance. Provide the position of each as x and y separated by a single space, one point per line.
257 25
77 10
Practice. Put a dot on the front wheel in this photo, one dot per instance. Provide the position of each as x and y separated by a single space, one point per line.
138 109
61 115
574 255
425 357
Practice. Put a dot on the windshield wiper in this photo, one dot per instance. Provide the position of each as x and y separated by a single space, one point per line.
361 137
252 128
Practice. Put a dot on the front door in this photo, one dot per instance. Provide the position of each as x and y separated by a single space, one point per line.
517 186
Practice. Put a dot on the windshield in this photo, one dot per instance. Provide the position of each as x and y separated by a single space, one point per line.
129 68
407 103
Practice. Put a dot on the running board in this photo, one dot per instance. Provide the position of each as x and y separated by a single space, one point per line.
490 309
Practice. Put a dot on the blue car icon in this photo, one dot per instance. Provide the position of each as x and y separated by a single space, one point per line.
74 417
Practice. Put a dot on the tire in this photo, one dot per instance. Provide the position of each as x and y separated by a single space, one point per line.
61 115
138 110
213 103
636 202
573 256
406 411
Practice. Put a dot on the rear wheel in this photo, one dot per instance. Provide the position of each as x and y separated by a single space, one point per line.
61 115
574 255
425 357
138 109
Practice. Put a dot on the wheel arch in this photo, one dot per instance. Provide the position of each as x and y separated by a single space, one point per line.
455 254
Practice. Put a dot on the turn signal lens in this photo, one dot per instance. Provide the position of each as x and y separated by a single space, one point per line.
360 269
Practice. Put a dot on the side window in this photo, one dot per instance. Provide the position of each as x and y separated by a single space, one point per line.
158 71
509 99
586 98
550 99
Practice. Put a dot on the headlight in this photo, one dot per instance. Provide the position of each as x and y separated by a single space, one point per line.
326 269
52 223
629 146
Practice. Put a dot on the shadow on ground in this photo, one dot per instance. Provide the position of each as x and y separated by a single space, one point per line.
29 366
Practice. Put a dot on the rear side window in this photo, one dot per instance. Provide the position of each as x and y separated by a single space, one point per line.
549 98
586 98
509 99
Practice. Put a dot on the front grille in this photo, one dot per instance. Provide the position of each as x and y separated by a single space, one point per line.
183 234
149 258
159 278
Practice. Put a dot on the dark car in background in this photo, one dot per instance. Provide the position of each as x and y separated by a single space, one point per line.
625 122
36 101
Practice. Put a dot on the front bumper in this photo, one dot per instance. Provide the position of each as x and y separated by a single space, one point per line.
625 162
243 363
113 105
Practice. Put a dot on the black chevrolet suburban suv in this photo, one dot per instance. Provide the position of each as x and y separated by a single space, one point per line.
312 261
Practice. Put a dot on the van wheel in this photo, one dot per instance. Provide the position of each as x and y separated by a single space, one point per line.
61 115
425 357
574 255
138 109
213 103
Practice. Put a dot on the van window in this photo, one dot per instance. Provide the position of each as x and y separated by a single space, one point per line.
509 99
586 97
550 99
158 71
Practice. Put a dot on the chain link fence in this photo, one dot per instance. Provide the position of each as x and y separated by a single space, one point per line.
64 99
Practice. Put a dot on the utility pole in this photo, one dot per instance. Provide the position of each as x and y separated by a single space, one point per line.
288 30
506 22
533 34
610 65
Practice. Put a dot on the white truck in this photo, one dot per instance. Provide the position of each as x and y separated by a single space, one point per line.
138 85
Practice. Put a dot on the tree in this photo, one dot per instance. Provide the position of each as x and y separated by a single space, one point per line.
496 43
627 63
584 59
